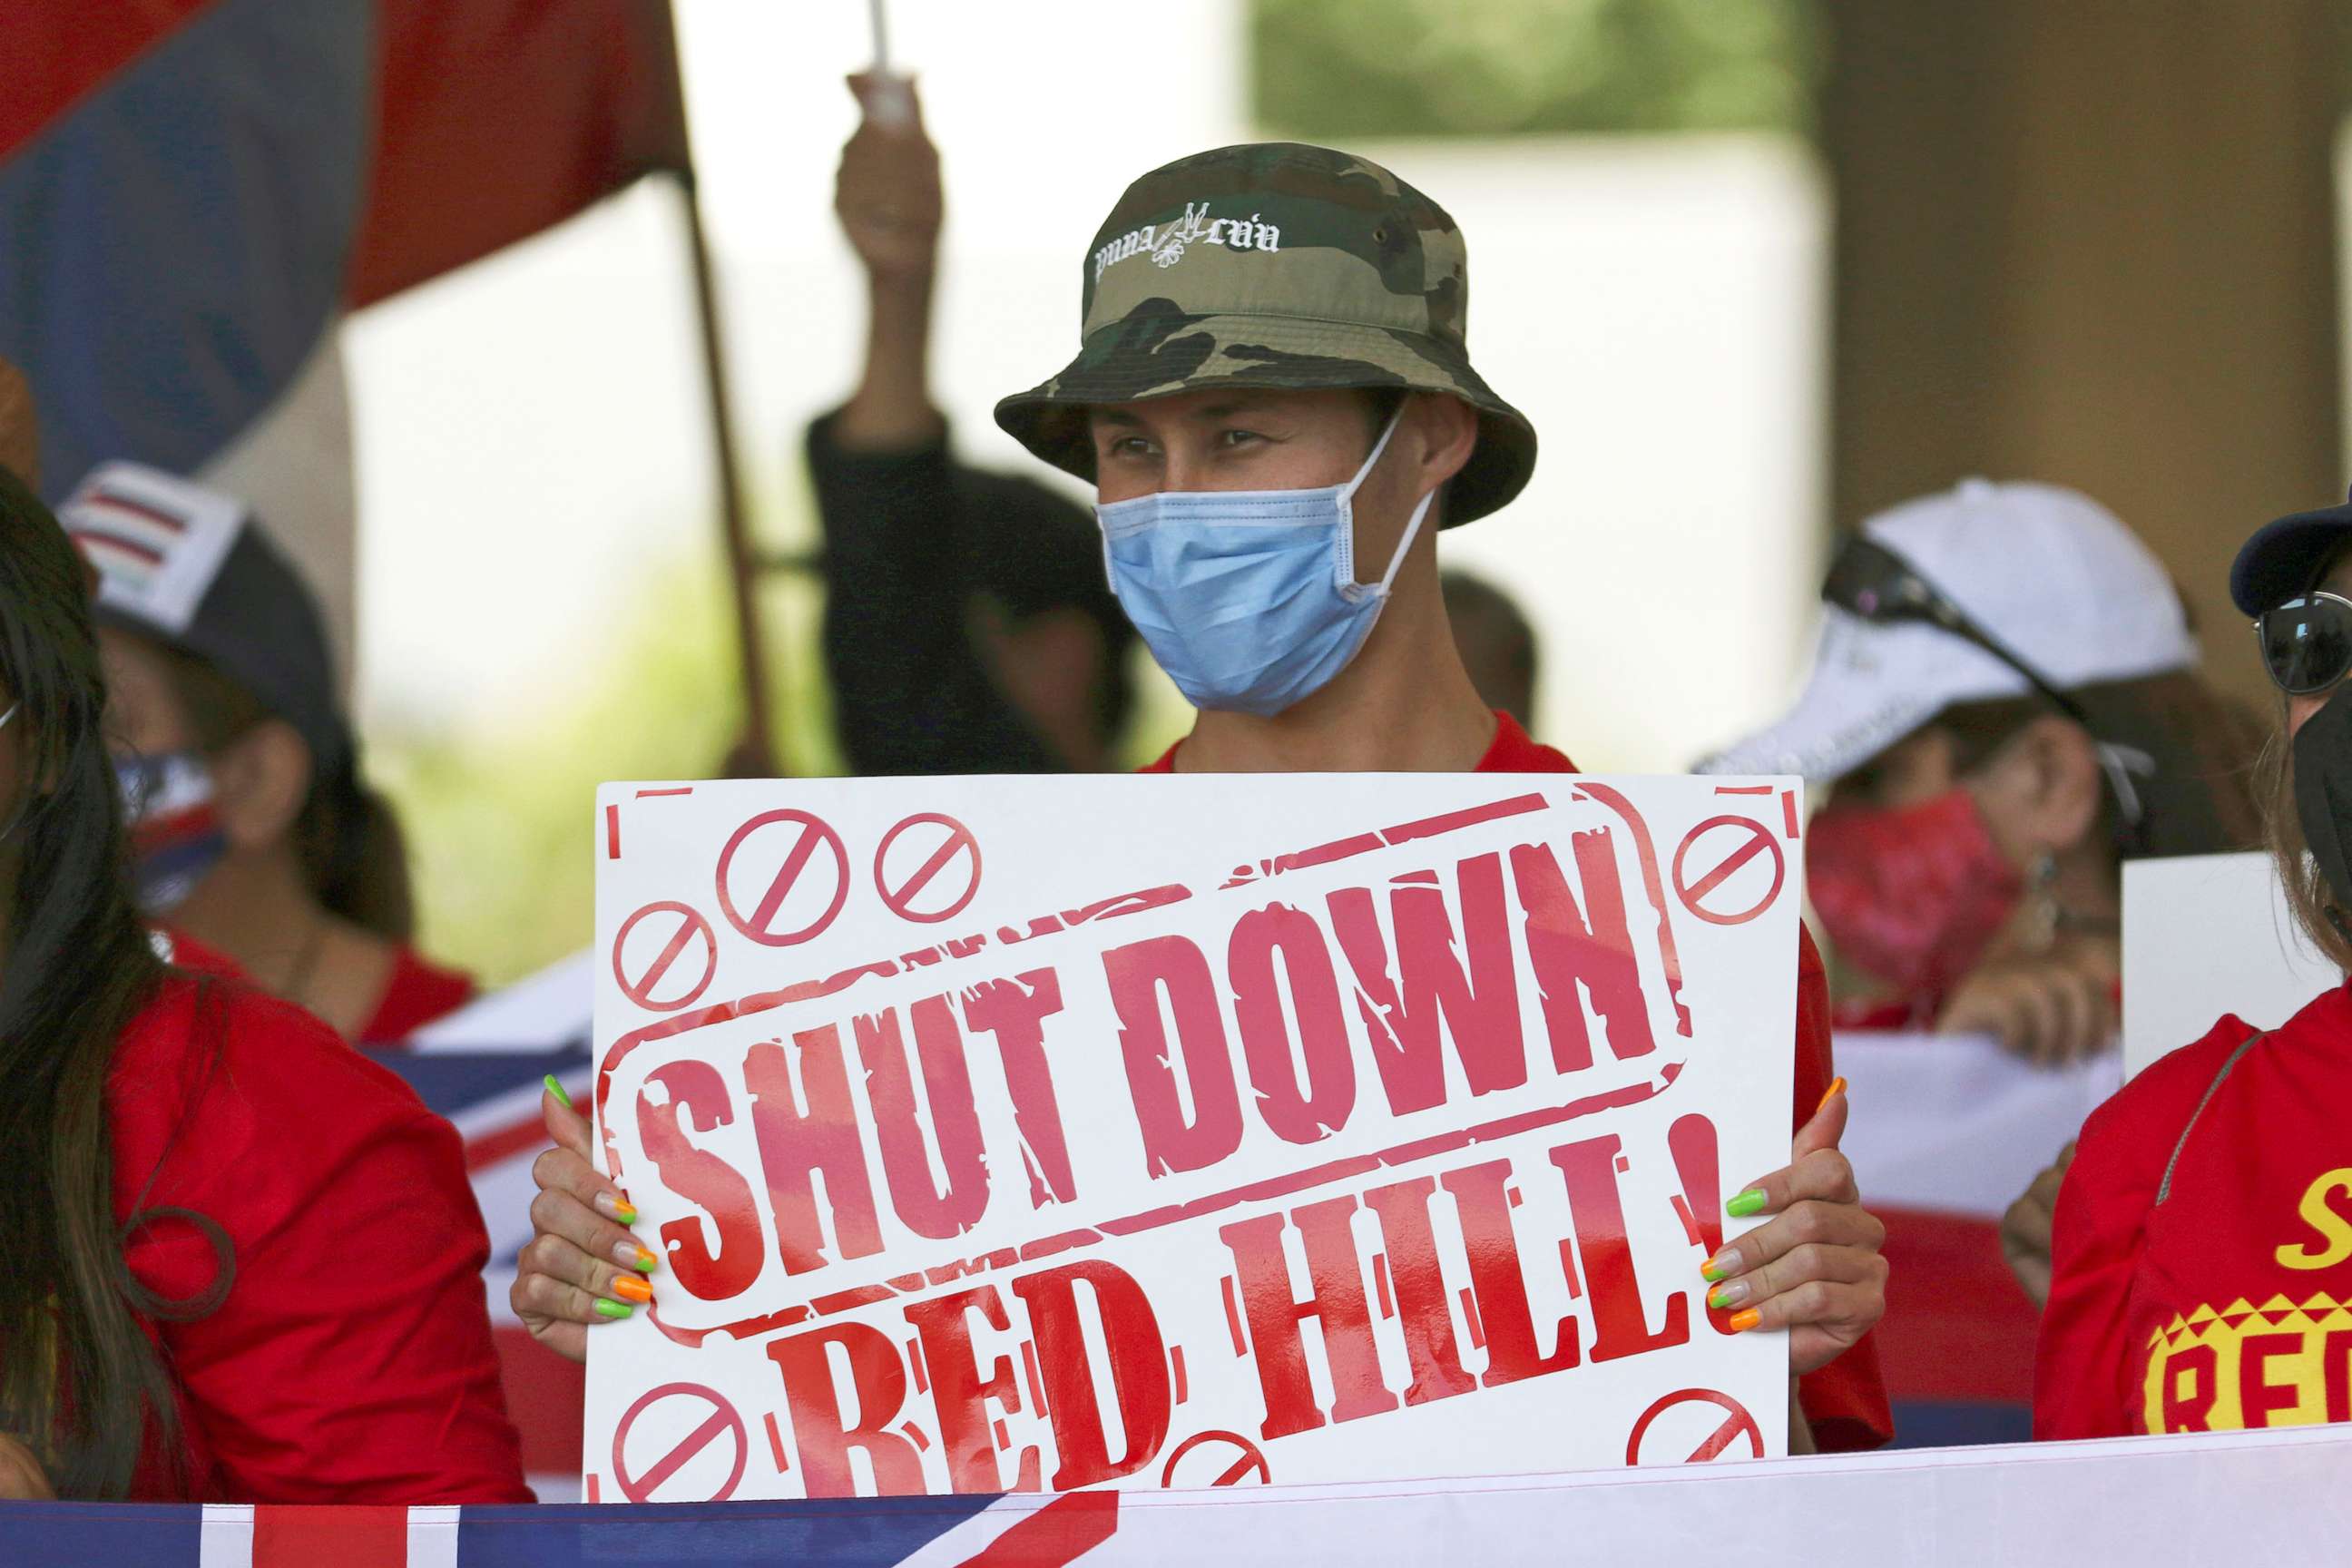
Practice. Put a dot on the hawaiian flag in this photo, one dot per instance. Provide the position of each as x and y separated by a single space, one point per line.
192 192
482 1067
900 1532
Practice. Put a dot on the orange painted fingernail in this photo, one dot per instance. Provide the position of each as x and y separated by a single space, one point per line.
1741 1321
632 1288
611 1205
1836 1088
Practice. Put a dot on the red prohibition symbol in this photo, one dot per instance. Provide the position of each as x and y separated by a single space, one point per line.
722 1420
1733 1425
657 953
1244 1456
932 843
1732 842
768 859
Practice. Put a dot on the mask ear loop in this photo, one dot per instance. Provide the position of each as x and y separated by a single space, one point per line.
2120 763
1412 528
1348 491
1348 588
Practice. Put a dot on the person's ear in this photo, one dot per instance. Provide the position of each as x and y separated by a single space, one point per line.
261 781
2061 786
1448 432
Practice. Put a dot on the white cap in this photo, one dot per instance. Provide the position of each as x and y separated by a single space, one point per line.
2050 575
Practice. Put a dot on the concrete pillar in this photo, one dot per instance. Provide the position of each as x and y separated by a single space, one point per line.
2092 242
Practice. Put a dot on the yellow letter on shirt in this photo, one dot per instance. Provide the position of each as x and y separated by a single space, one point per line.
2333 1225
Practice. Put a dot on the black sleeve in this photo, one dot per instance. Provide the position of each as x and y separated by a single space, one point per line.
911 693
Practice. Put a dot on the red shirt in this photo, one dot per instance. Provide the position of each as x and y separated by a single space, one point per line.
415 994
2222 1300
350 1360
1846 1400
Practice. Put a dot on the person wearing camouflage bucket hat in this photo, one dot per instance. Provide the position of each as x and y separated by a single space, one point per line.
1338 275
1273 386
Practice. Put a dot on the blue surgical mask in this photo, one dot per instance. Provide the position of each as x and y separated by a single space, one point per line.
1249 598
175 836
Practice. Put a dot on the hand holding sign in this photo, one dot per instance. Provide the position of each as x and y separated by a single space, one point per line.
569 1275
1815 1268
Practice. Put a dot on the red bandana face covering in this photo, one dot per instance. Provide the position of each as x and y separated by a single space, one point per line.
1913 894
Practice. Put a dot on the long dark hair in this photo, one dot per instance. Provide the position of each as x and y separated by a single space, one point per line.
79 1379
2308 896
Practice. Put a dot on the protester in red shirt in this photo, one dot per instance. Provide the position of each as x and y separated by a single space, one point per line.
2201 1271
1272 398
255 832
192 1173
2004 708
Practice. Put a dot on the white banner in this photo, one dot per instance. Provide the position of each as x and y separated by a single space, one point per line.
2208 935
1954 1124
2273 1498
1044 1133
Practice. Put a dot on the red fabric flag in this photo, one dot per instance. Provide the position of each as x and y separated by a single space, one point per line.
496 119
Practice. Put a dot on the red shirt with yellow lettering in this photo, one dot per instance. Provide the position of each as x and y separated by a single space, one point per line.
2201 1271
1845 1402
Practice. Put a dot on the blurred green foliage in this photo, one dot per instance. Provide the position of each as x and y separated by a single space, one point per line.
502 827
1342 70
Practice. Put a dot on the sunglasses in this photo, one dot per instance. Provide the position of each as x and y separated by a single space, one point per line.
2307 643
1870 581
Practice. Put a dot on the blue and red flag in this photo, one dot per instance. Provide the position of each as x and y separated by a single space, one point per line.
193 191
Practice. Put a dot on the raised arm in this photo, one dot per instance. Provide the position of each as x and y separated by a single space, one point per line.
888 198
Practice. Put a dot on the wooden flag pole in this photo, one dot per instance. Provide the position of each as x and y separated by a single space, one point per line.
758 755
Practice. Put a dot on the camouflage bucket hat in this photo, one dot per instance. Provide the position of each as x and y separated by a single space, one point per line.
1276 265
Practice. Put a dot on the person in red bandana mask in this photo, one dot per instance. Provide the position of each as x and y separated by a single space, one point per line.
2004 707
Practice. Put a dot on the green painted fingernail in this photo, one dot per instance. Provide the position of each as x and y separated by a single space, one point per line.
556 1089
1744 1203
613 1309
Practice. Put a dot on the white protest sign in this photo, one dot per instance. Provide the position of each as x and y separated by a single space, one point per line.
2206 935
1018 1133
